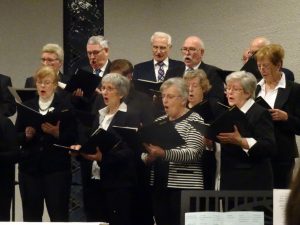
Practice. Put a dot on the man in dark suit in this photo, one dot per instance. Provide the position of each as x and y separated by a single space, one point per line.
97 49
251 64
99 64
7 101
159 68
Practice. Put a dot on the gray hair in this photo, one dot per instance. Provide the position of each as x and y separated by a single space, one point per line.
162 35
180 85
98 40
54 48
246 79
121 83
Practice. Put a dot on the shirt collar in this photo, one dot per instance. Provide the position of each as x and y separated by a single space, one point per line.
122 108
195 67
102 68
166 62
281 83
247 105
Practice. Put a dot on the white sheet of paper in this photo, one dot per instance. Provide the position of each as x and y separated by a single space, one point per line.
225 218
280 197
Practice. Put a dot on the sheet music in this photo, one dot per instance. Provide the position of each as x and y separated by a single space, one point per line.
225 218
280 198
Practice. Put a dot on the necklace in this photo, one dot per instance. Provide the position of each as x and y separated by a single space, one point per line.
45 109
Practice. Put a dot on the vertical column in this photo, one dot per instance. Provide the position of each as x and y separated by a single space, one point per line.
82 19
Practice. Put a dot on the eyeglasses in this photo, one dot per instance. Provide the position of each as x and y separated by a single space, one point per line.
159 48
48 60
170 97
95 52
108 89
266 66
233 89
191 50
45 83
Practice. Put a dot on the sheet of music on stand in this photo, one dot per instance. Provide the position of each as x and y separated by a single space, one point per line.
280 197
225 218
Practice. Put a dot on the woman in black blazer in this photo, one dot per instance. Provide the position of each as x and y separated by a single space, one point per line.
46 174
110 177
246 152
283 97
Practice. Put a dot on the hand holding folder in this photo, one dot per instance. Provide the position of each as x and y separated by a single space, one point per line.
84 80
101 138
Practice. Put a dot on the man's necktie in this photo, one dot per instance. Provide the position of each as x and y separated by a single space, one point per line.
161 72
189 69
97 72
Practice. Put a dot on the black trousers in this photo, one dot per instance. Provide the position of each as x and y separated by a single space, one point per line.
112 205
53 188
282 173
166 206
6 193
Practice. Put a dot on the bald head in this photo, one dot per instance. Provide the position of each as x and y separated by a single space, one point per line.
257 43
193 51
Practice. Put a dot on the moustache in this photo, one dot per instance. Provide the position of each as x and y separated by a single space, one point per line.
187 58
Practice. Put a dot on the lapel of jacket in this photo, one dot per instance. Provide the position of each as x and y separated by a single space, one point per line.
118 119
258 88
150 71
283 95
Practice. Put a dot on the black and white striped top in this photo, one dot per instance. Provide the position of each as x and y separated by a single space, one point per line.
184 162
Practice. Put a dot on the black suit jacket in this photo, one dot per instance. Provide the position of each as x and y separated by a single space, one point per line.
117 165
146 71
287 100
7 101
44 157
252 171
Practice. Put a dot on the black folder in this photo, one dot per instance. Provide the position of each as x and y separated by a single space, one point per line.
105 140
251 67
84 80
23 94
35 118
160 133
130 136
224 73
259 100
223 124
204 110
147 86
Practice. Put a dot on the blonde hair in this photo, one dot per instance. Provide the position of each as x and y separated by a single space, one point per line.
46 71
201 75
